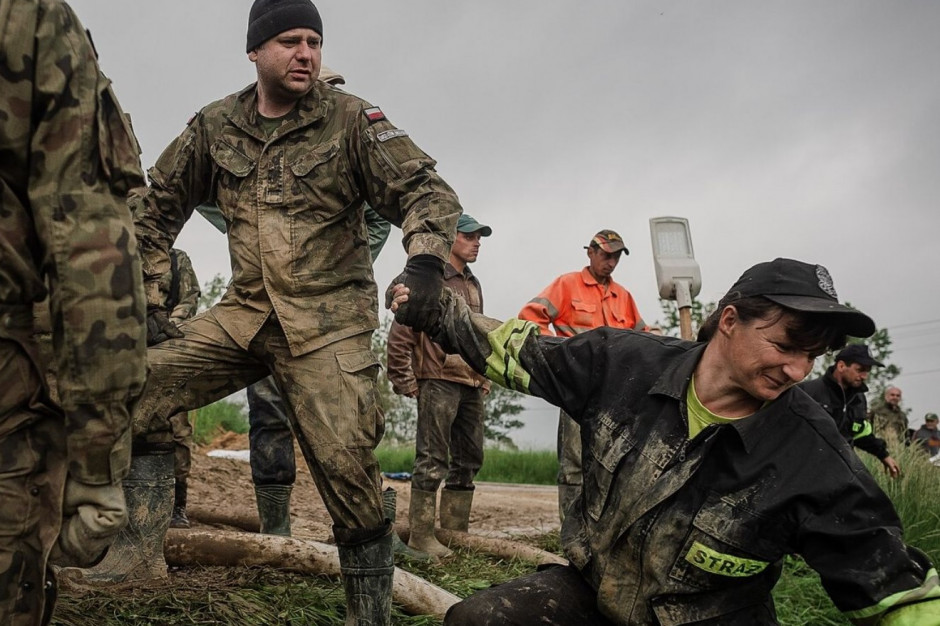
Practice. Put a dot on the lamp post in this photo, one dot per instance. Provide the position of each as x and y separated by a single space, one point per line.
677 272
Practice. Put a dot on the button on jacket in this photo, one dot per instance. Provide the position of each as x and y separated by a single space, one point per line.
413 356
673 531
293 207
576 302
848 409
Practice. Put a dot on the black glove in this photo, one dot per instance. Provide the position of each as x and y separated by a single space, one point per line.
424 276
159 327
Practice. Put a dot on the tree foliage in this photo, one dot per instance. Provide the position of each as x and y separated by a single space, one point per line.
401 413
212 291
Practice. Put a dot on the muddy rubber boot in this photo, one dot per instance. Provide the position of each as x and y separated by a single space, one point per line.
137 553
455 509
179 519
274 508
390 508
567 494
421 520
367 567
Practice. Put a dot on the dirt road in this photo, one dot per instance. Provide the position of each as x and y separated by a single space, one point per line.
224 485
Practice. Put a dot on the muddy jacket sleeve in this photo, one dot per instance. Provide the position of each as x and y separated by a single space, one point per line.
84 159
187 289
401 345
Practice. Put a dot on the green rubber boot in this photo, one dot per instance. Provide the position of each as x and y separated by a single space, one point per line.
455 509
367 567
390 508
274 508
421 520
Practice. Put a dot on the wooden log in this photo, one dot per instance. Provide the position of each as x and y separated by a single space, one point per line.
188 547
211 516
502 548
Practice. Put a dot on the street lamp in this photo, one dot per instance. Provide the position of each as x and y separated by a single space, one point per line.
677 272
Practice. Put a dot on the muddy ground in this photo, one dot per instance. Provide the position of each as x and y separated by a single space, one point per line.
224 485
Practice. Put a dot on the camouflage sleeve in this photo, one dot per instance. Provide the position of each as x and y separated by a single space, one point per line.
89 160
179 182
379 229
402 186
189 291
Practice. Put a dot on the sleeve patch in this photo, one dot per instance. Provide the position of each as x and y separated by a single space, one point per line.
385 135
374 114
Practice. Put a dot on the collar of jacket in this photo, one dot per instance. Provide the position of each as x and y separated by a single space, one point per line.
450 271
589 279
244 113
674 382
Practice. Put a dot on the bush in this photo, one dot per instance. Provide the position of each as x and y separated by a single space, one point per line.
211 421
528 467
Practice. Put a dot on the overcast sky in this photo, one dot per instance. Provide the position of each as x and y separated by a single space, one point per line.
790 128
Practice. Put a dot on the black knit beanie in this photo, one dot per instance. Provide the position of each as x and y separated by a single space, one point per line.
268 18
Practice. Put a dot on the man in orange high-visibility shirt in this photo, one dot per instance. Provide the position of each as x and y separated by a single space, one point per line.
572 304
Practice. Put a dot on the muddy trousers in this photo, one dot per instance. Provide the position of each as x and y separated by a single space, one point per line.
449 438
556 595
270 438
32 480
329 393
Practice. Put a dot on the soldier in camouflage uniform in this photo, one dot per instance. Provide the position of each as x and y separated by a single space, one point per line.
888 418
182 288
289 161
68 161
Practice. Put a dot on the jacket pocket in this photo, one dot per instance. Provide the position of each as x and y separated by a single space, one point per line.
583 313
235 166
320 186
609 445
359 371
118 149
727 546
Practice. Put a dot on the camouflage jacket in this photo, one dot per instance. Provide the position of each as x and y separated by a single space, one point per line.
67 161
293 207
670 530
182 287
889 422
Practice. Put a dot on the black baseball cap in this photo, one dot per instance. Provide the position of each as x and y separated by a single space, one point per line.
802 287
857 353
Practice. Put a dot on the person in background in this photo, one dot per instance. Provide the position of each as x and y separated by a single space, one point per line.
69 159
841 392
572 304
704 466
449 438
888 418
182 302
928 436
289 161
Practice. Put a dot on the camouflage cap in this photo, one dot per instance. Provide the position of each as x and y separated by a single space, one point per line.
608 241
931 417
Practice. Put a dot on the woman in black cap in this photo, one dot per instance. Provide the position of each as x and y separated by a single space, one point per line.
703 467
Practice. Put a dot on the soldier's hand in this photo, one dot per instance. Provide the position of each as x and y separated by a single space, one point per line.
424 278
93 515
159 327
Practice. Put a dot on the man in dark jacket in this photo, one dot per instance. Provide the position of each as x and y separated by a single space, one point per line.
841 392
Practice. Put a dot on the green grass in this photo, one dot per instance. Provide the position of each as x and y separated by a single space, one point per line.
528 467
211 421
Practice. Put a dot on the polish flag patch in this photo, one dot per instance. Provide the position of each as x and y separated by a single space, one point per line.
374 114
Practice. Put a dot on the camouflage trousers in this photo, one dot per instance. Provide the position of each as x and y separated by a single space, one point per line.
556 595
182 444
330 393
270 439
32 482
450 424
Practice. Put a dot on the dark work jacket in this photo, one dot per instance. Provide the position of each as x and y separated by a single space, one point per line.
849 410
673 531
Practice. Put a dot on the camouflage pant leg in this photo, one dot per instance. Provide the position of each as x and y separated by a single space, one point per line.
569 451
269 435
203 366
183 444
32 480
556 595
446 409
331 399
